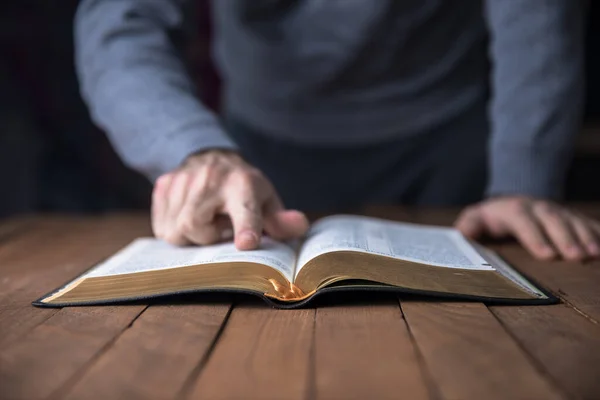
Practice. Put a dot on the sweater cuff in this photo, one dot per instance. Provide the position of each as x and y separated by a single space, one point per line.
525 170
170 152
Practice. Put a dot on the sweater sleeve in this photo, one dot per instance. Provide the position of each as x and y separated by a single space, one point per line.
536 49
136 86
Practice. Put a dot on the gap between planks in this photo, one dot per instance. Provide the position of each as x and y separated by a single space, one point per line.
64 247
34 335
175 339
193 377
346 351
563 343
470 355
81 372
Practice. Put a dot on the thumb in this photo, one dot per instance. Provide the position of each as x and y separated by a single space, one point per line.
286 224
470 223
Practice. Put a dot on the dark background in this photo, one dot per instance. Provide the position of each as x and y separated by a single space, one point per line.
52 158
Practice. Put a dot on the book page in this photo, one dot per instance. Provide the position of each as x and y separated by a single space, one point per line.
444 247
147 254
508 272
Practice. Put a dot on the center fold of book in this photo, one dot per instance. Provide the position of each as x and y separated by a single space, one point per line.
287 292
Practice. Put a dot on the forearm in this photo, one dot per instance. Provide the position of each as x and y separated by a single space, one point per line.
537 93
136 85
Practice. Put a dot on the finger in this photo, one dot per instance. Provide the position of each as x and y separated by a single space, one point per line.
470 223
558 229
586 236
159 204
288 224
203 231
176 199
203 235
224 226
525 227
198 224
197 217
283 224
246 218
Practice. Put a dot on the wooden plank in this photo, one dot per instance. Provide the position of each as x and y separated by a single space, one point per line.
23 271
471 356
366 352
155 357
56 250
49 346
564 343
44 360
36 251
576 283
262 353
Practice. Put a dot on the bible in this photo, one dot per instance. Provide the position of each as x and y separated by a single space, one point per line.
339 253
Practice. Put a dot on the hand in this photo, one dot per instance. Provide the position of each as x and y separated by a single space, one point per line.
544 228
214 191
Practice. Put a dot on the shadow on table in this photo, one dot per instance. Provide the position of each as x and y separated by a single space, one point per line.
339 299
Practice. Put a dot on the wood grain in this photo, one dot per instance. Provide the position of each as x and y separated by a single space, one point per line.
41 362
576 283
154 357
49 344
471 356
54 251
366 352
352 351
564 343
262 353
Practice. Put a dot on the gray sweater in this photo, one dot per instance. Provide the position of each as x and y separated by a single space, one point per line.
342 72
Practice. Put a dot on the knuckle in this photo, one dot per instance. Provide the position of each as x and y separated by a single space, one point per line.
186 226
163 180
181 177
518 207
242 177
213 168
206 183
248 176
251 206
212 180
199 191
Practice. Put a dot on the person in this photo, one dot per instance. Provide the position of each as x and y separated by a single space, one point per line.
329 105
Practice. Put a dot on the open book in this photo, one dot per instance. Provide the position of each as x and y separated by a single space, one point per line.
340 252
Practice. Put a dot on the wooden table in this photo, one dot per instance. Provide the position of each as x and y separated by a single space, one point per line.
382 348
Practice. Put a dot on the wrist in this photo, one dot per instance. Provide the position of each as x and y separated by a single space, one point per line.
212 153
